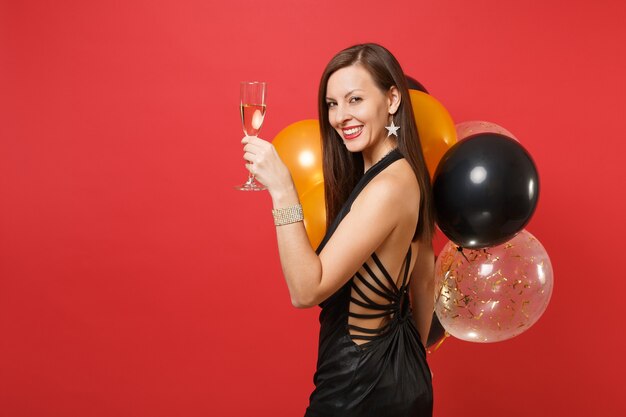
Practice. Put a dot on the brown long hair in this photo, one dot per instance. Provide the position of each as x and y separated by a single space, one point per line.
343 169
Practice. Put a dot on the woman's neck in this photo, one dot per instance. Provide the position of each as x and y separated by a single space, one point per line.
373 156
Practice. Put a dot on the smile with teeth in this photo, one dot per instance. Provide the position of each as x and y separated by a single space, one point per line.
352 132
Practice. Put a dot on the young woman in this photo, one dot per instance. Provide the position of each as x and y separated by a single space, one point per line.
376 258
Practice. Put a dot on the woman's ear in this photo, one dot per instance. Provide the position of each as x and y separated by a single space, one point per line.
395 98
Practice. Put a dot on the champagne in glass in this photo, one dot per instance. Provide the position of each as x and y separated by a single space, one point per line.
252 109
252 118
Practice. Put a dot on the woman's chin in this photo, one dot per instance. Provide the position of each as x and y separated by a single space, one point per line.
352 146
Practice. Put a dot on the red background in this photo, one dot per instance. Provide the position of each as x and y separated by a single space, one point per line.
135 281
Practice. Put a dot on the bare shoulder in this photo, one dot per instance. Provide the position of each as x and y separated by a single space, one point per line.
392 200
396 186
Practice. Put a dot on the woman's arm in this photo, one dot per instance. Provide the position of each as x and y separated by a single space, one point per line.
376 212
312 278
301 266
422 289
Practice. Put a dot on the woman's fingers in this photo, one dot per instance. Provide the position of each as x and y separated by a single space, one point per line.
254 140
256 150
255 145
250 157
264 163
250 147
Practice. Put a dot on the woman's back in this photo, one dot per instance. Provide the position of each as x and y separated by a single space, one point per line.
381 273
371 361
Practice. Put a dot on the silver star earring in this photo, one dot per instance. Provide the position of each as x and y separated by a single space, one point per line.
392 129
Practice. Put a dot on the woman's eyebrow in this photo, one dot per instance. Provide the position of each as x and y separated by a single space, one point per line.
347 94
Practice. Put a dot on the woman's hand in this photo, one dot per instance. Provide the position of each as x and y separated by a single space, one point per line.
265 164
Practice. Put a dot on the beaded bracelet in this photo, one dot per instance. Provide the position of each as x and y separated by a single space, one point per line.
288 215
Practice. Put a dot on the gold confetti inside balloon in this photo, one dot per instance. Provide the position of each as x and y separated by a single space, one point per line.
492 294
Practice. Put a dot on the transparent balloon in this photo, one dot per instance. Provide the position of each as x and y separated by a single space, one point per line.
475 127
495 293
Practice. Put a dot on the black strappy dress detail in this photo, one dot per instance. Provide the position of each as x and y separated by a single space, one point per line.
378 366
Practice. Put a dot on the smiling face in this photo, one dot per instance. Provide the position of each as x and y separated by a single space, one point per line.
358 110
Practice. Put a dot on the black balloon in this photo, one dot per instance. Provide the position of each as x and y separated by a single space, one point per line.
415 85
485 190
436 333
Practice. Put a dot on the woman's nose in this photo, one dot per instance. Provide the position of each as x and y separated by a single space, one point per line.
341 115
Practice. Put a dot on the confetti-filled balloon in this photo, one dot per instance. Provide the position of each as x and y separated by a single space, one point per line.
474 127
436 332
492 294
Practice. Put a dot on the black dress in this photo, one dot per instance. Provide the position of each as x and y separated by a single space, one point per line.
387 375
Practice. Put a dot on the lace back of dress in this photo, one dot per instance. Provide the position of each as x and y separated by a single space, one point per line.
376 300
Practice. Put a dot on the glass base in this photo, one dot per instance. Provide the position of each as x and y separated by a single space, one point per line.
251 185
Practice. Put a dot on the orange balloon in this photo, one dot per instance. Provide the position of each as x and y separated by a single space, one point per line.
435 127
314 208
299 146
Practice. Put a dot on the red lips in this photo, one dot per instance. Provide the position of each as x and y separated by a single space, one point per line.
355 131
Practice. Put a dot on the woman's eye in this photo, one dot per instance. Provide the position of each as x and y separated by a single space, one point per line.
355 99
331 104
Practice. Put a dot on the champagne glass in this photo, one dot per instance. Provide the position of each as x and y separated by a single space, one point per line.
252 109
